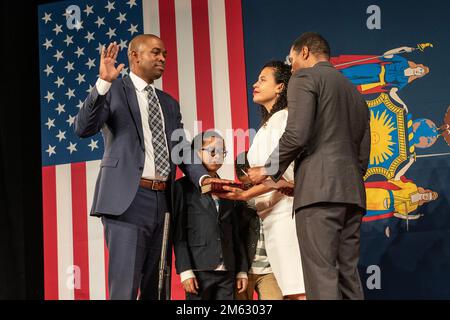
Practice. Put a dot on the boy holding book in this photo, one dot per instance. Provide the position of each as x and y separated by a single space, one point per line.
210 257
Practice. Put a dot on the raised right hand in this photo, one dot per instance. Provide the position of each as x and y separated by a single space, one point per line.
191 285
108 70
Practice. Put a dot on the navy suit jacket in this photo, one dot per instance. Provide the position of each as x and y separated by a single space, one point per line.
117 115
203 236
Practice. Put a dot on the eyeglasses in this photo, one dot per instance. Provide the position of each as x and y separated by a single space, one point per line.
212 152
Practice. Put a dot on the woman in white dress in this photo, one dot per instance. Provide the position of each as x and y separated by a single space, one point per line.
275 208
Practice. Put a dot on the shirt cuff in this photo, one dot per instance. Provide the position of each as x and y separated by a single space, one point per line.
201 178
188 274
102 86
242 275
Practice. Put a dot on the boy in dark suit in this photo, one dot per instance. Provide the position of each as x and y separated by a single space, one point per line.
210 256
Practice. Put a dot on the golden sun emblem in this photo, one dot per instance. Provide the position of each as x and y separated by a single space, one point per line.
381 127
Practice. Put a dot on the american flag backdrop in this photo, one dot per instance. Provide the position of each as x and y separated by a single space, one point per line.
205 72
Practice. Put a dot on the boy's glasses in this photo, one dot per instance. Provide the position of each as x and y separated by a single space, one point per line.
212 152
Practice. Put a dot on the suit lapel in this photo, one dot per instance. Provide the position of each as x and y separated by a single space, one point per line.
224 206
167 116
208 202
133 105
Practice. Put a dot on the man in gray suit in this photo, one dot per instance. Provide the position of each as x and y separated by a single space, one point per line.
135 183
328 136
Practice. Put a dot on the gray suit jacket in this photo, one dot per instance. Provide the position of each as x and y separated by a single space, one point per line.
118 116
328 136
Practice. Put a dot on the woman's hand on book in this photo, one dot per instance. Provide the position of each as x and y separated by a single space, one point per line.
235 194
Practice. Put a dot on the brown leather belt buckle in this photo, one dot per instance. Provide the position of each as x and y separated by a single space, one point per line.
153 184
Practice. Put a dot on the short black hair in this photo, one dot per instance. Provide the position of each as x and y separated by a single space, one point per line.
199 139
316 44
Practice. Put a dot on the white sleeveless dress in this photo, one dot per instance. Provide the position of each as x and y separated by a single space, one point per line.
280 231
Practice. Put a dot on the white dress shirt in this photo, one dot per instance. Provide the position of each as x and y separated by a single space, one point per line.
149 171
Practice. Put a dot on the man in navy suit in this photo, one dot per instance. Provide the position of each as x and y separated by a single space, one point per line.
135 184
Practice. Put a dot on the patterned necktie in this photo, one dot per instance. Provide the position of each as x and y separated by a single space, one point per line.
159 143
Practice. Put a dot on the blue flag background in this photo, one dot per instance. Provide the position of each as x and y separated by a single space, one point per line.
405 248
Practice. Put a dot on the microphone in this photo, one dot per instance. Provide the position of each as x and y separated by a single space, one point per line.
162 262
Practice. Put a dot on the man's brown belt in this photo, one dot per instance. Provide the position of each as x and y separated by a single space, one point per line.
153 184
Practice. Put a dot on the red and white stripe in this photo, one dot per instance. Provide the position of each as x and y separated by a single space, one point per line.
74 247
205 72
203 39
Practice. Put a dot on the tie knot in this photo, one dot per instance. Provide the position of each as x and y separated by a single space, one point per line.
149 89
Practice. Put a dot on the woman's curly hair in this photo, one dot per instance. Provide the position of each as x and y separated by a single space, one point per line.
282 74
